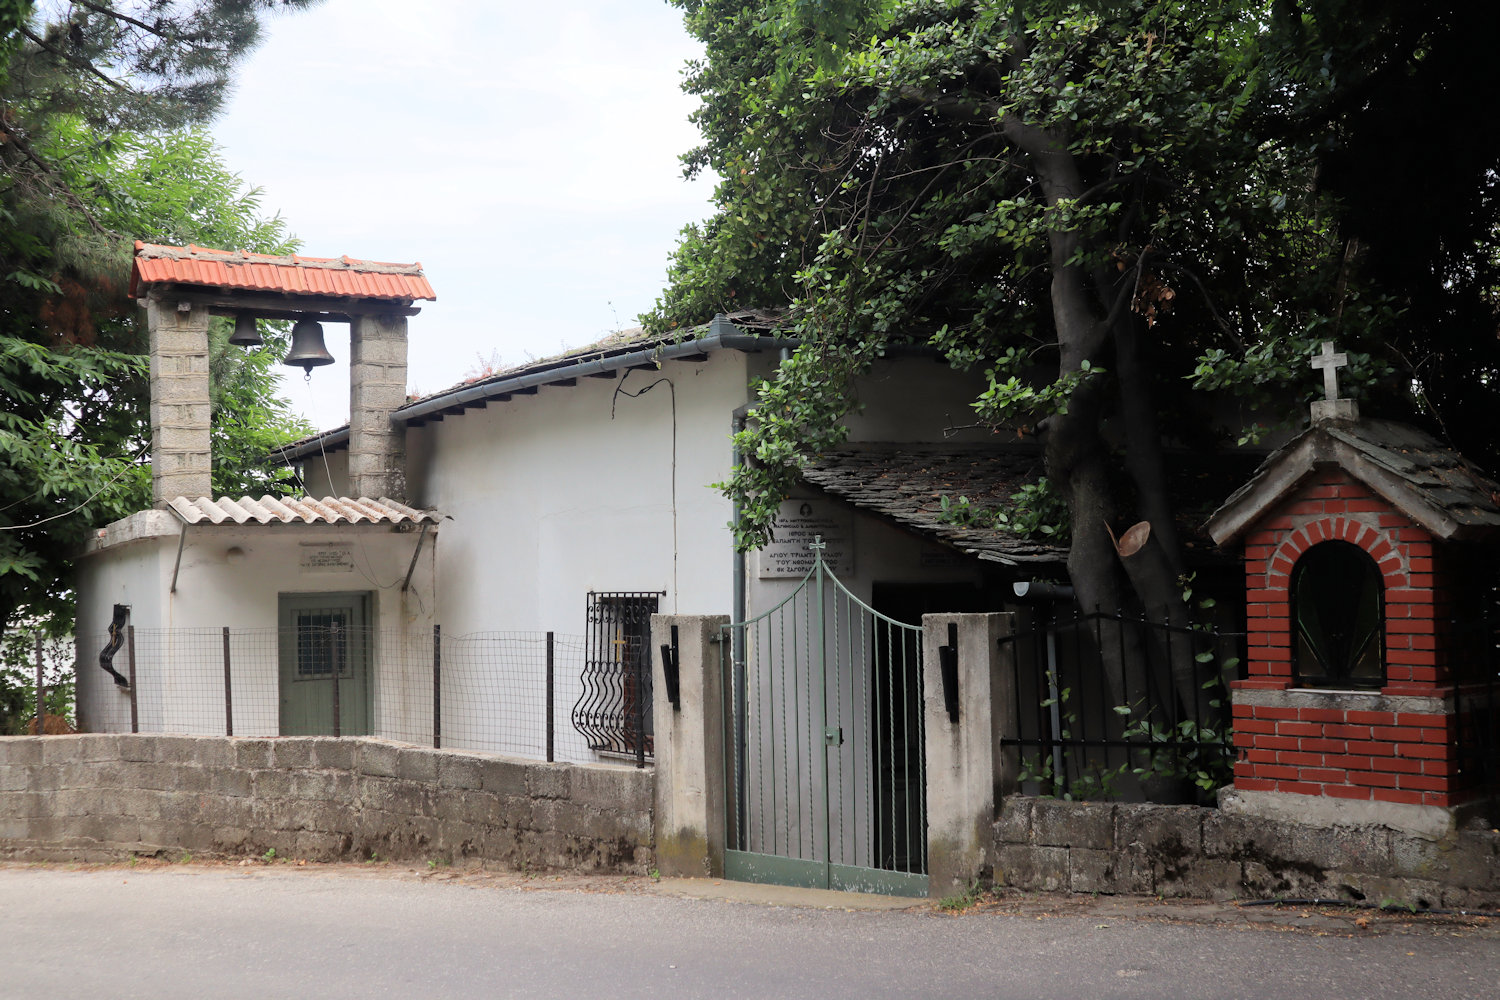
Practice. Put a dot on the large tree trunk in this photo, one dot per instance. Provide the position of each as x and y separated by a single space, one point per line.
1088 313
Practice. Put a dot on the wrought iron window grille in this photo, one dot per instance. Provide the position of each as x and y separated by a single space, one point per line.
614 710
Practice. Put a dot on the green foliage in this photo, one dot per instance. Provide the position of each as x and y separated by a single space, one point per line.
18 679
1035 511
98 150
1189 751
1125 215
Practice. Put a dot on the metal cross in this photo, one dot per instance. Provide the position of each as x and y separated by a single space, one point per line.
1330 363
817 544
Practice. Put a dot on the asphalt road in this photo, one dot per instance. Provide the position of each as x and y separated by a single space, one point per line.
314 933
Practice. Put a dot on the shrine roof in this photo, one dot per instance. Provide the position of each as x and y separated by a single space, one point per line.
1415 473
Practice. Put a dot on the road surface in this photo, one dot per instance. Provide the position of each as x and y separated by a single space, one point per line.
280 930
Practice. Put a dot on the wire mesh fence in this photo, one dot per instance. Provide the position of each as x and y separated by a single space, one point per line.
36 683
501 692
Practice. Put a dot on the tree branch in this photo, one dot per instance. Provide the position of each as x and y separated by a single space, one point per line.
82 64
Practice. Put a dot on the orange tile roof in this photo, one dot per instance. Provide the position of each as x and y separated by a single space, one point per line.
341 277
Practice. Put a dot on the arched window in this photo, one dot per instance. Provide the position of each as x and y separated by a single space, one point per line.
1337 608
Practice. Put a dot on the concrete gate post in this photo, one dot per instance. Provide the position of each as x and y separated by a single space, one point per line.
689 817
966 768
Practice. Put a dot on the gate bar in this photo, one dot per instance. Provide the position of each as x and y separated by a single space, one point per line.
228 697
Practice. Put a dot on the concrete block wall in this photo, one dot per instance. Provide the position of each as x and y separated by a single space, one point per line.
1393 746
1199 852
181 465
377 386
101 797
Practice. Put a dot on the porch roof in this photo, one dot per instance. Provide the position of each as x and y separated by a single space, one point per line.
305 510
906 483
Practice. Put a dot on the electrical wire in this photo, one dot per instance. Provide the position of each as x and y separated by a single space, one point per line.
22 527
620 390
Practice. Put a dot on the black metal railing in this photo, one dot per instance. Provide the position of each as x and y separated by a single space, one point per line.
1106 705
614 711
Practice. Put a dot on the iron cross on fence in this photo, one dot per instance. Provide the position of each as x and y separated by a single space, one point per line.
1330 363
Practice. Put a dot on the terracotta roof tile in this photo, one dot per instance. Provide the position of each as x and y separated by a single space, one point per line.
342 277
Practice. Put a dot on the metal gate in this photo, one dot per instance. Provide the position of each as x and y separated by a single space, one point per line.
825 753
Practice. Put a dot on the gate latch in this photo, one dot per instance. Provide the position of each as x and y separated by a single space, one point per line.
833 736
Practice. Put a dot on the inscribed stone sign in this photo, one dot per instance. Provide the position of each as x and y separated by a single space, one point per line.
798 523
326 557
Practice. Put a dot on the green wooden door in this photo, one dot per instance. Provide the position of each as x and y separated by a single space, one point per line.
324 664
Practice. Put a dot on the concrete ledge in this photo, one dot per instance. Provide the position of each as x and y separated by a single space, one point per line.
1343 701
1193 851
1432 822
97 797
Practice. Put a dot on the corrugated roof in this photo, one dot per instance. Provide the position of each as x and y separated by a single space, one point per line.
338 277
306 510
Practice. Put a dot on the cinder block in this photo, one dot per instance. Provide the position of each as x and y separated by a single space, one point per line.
459 771
1038 868
504 777
613 789
1176 830
376 759
21 751
1198 877
549 781
97 747
335 754
59 750
1457 860
1056 823
252 754
291 752
231 782
1013 820
414 764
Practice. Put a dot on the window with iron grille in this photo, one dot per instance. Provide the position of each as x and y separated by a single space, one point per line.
614 711
1338 612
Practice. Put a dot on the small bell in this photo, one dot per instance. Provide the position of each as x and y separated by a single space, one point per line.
308 351
245 334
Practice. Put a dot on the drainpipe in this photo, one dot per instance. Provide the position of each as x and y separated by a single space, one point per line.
737 635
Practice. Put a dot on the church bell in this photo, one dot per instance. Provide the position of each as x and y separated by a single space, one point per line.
245 334
308 351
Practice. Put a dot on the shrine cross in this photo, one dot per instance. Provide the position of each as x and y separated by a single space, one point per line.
1330 363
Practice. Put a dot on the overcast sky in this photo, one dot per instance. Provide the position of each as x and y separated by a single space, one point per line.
525 153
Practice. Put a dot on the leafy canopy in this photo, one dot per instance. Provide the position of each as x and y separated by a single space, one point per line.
1125 215
99 147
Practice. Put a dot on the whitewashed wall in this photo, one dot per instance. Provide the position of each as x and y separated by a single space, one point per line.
232 576
554 495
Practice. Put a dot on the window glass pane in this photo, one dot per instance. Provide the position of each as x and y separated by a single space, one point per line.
322 641
1336 610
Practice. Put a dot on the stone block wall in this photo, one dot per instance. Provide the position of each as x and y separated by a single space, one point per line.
1193 851
101 797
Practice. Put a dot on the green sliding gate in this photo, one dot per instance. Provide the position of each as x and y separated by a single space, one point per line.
824 744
